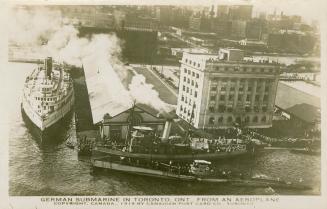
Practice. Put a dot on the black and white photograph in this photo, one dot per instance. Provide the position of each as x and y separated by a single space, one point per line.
220 98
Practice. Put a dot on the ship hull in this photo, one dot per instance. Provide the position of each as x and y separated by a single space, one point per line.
252 182
99 151
55 133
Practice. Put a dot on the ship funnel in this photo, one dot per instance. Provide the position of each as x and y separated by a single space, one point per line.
166 131
48 66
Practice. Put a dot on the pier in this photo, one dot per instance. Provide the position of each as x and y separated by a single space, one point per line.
86 132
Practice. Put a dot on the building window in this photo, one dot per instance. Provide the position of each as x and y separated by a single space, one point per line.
213 88
222 97
256 109
184 79
211 120
240 88
196 85
232 88
265 98
230 119
255 119
188 80
230 97
185 60
220 119
249 88
193 74
195 94
185 71
189 72
223 88
212 109
183 88
266 88
187 90
229 109
192 83
198 64
238 120
247 119
264 109
181 108
247 97
212 98
197 75
247 109
263 119
182 98
221 108
257 97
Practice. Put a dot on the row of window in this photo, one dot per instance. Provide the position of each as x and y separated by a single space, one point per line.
231 97
192 82
223 108
46 99
189 90
241 80
46 89
196 75
240 88
230 119
192 63
244 69
189 112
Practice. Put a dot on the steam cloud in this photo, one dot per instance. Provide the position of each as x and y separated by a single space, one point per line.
98 52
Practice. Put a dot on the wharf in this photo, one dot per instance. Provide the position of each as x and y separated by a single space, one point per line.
83 115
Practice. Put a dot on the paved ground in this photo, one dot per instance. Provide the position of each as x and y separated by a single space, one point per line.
165 91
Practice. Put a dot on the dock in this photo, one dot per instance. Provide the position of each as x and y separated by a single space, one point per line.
86 131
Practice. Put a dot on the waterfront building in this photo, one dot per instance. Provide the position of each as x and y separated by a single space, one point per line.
299 104
238 29
254 29
195 23
219 90
221 27
116 127
235 12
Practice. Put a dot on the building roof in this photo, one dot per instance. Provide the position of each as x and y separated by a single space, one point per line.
107 95
288 96
305 112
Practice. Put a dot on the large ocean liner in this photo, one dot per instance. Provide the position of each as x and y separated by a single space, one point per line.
48 97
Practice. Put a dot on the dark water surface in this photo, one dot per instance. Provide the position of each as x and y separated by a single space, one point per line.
54 169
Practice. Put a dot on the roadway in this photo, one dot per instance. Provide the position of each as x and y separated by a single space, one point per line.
166 92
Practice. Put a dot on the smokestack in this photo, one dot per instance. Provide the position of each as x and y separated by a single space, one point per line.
166 132
48 66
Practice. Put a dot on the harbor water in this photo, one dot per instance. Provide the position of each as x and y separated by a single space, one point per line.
54 169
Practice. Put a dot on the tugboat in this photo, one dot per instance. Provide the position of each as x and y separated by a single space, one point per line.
48 97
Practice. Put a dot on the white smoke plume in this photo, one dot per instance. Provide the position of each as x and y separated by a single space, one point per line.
98 52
